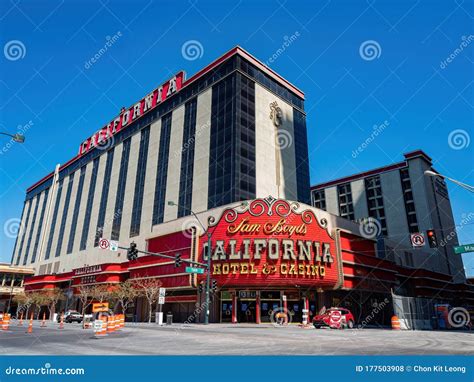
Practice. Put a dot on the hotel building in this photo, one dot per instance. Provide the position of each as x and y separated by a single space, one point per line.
229 146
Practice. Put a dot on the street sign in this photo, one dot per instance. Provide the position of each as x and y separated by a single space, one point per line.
161 300
98 325
162 292
464 248
194 270
100 307
104 243
113 246
417 239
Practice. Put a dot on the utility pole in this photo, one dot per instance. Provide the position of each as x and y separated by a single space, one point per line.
208 263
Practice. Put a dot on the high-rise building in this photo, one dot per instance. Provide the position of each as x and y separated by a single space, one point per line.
402 202
234 131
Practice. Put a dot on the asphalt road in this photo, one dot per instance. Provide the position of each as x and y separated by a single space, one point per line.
222 339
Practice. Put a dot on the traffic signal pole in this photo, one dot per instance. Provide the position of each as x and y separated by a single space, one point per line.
165 256
208 279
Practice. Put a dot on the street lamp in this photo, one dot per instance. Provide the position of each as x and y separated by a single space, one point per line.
19 138
463 185
208 275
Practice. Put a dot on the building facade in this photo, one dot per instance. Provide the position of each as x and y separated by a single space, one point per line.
234 131
228 147
11 284
401 201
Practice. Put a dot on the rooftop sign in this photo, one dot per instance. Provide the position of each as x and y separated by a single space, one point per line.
127 116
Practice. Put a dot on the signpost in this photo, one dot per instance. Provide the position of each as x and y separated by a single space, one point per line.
100 307
114 246
464 248
161 301
194 270
417 239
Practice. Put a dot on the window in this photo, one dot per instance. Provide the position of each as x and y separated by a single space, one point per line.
77 204
104 197
90 200
302 161
54 219
375 205
319 199
122 181
409 201
40 225
65 213
162 170
232 149
409 259
25 258
346 208
140 183
24 229
187 158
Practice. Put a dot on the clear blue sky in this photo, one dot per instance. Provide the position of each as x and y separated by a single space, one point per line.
49 83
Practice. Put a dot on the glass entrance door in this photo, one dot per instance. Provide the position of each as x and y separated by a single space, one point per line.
246 311
226 311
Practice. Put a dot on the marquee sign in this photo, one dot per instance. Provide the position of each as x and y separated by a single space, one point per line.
87 270
271 242
127 116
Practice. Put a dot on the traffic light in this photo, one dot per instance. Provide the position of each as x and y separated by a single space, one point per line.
177 261
214 285
200 288
432 241
132 252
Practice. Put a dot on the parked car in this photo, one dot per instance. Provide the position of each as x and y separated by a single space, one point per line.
324 318
71 316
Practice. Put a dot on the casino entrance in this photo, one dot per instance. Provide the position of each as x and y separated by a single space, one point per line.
247 307
261 306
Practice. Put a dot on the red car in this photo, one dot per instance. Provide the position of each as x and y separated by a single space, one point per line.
334 318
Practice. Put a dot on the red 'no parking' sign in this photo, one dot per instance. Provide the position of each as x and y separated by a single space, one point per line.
417 239
104 244
335 319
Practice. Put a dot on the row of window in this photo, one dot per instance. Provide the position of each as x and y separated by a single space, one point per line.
234 64
232 174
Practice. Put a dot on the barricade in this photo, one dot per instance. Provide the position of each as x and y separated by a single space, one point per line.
395 323
30 325
6 321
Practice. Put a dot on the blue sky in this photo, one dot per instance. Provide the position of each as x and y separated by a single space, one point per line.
407 81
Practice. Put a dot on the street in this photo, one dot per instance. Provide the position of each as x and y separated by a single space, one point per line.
226 339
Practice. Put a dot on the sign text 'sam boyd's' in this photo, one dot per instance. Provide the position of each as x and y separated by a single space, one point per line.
127 116
268 242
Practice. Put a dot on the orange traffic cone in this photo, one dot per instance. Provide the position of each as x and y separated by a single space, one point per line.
43 322
30 324
21 320
61 322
